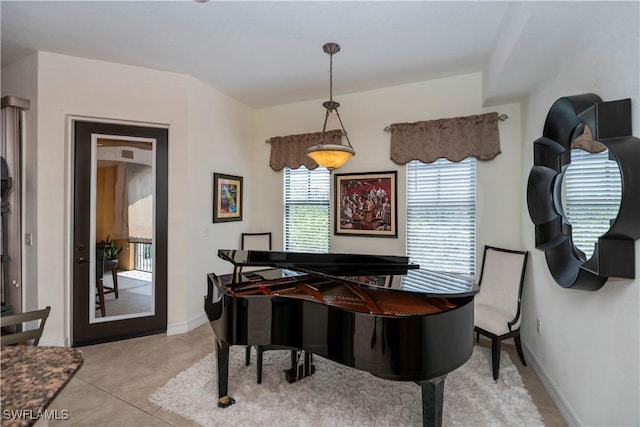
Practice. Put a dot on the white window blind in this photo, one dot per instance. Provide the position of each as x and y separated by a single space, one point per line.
306 209
592 190
441 215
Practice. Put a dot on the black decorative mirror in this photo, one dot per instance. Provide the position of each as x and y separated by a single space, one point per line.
590 131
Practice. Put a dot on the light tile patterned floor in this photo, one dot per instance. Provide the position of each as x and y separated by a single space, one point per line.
134 293
112 386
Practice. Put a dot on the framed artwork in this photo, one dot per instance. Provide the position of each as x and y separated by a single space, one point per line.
227 198
365 204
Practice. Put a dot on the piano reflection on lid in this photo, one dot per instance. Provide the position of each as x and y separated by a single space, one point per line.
379 314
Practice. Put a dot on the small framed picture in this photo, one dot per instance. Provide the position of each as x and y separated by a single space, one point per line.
227 198
365 204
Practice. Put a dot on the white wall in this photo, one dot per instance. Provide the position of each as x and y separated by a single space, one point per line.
589 351
219 131
365 115
203 124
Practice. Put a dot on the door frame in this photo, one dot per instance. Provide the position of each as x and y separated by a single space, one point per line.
69 250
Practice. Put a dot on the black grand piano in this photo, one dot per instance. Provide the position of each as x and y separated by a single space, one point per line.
379 314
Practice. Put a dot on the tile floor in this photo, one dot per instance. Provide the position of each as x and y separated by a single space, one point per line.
112 386
134 293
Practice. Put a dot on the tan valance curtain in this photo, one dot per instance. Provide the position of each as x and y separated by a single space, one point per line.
454 139
587 143
290 150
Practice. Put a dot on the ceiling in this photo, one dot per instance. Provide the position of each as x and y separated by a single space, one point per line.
270 53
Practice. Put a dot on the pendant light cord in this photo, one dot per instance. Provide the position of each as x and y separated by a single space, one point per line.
332 106
331 77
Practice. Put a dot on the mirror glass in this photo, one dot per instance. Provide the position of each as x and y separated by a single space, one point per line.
591 193
123 179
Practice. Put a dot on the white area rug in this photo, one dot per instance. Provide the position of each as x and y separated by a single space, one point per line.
339 396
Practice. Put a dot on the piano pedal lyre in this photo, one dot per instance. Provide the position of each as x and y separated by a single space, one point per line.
301 366
226 401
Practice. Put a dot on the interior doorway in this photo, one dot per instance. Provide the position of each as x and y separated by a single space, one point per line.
119 231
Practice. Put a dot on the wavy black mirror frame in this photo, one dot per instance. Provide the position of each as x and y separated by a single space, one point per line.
614 254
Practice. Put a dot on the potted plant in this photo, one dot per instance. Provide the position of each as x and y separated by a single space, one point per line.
111 251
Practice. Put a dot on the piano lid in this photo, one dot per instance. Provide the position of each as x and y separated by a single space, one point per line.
395 273
331 263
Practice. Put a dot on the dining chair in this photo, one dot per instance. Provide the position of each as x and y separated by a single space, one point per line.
497 309
23 336
100 304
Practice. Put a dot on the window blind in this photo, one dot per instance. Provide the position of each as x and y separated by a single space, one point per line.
592 190
441 215
306 209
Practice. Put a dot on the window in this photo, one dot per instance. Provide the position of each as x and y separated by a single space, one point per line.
441 215
592 189
306 209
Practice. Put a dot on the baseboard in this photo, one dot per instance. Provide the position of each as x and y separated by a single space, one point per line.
558 398
184 327
56 343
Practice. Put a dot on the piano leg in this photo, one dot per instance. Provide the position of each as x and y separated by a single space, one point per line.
260 352
222 352
432 401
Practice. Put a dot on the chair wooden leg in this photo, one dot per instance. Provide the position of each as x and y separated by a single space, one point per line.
259 363
519 349
101 298
495 356
114 274
247 355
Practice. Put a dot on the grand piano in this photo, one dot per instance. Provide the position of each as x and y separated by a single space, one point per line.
380 314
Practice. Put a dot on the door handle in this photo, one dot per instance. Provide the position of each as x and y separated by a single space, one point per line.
81 260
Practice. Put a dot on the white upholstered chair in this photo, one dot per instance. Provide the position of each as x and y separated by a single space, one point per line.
497 306
256 241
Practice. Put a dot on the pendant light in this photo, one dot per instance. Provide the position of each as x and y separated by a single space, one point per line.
331 156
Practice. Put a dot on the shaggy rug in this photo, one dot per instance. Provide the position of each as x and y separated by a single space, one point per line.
339 396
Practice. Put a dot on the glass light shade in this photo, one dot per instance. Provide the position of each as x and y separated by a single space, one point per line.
330 156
